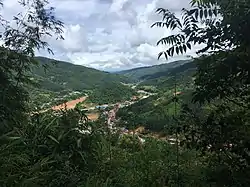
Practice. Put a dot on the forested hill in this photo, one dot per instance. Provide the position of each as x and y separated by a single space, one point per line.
143 73
60 75
164 76
181 75
56 76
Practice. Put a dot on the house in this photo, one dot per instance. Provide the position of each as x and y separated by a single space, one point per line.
101 107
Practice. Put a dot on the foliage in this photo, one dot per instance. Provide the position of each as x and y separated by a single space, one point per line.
221 129
55 152
65 149
153 115
150 89
61 75
111 93
145 73
21 37
182 76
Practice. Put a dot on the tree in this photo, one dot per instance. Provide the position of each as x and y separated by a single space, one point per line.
19 44
222 84
20 40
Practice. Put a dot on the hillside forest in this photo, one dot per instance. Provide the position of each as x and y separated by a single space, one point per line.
179 124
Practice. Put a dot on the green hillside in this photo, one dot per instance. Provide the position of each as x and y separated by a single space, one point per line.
111 93
58 81
144 73
61 75
181 75
156 112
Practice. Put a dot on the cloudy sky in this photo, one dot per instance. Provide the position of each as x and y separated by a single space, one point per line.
108 34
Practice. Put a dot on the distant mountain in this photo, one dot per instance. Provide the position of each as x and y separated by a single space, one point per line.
145 73
182 75
56 76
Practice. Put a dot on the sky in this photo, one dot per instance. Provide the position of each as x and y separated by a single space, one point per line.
108 35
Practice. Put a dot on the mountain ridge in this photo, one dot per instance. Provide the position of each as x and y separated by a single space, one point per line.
57 75
142 73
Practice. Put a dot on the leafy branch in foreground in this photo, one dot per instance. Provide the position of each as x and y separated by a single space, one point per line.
222 84
188 27
21 37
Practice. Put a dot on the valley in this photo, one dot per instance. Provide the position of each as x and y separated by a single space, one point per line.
93 110
182 123
136 96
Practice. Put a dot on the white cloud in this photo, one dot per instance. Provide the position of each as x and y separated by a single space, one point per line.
75 39
108 34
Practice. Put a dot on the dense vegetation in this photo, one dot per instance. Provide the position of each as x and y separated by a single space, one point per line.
65 149
156 113
164 76
56 81
144 73
181 75
111 93
217 122
61 75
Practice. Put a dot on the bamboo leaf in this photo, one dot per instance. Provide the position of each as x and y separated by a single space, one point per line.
54 139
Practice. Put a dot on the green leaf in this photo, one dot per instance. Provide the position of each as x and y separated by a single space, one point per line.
201 14
166 55
13 138
186 21
215 12
174 26
159 55
192 11
181 49
189 45
185 48
205 13
54 139
196 14
172 51
157 24
168 51
210 13
177 50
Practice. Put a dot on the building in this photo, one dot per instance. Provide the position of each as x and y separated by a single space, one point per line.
101 107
